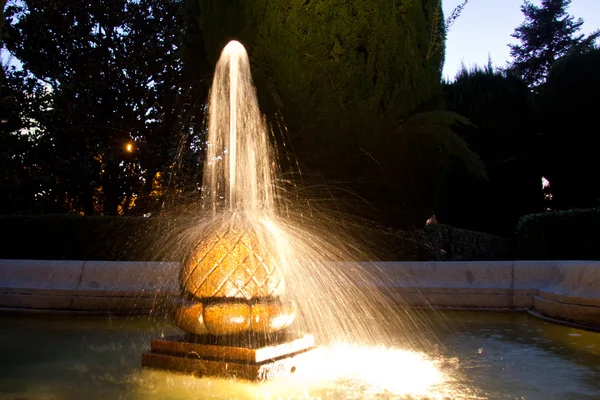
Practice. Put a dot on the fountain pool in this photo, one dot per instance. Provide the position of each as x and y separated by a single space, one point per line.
368 349
471 355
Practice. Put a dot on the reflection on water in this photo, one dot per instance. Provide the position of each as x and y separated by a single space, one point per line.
478 355
338 371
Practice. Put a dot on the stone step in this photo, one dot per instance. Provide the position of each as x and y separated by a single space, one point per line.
588 315
571 295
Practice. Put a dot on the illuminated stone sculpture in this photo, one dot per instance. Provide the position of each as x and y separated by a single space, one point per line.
234 282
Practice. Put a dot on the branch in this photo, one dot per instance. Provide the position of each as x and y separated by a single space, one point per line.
455 14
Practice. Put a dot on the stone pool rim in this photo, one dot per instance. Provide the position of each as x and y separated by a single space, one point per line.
567 291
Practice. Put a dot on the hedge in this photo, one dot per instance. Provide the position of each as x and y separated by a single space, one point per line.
441 242
560 235
74 237
445 242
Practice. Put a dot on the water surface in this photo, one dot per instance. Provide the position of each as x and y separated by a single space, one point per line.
471 355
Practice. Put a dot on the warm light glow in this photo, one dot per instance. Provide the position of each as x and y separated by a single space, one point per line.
234 48
337 371
545 182
271 227
129 147
239 166
381 369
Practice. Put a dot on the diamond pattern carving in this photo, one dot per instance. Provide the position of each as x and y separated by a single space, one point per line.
233 263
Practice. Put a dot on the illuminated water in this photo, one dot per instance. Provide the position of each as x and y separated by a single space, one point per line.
239 173
241 193
477 355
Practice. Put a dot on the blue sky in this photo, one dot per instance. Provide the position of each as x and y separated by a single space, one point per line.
485 26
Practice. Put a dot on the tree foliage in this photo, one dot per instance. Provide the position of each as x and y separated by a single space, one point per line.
25 177
107 110
548 33
348 79
112 72
106 114
501 110
345 69
570 141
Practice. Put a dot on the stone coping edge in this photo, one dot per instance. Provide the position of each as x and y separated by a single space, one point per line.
123 287
565 322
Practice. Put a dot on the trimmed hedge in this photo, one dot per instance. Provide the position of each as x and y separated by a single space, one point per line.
74 237
560 235
445 243
440 242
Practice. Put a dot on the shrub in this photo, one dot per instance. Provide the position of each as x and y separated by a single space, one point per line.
445 243
560 235
74 237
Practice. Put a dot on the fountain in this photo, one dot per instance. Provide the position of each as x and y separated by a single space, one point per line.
233 305
257 280
254 268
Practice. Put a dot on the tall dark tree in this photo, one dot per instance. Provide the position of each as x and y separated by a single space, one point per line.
355 82
2 73
548 33
26 181
114 74
501 109
570 137
344 69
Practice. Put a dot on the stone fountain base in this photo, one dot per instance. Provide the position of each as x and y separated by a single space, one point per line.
255 359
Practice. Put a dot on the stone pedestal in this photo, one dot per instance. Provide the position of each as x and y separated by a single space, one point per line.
256 358
233 310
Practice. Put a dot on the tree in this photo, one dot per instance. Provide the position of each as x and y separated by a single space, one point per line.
113 72
2 74
349 80
570 142
547 34
26 180
335 72
501 109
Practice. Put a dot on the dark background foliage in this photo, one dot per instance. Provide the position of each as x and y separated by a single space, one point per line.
102 108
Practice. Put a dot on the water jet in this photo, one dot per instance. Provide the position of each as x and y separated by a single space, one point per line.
233 306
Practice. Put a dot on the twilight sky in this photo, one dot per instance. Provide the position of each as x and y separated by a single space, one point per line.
485 26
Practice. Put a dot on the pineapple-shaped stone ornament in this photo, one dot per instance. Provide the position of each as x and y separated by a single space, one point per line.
234 280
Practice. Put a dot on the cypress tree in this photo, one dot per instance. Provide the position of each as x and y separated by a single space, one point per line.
336 71
356 84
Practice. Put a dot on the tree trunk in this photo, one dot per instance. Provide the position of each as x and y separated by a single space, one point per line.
87 200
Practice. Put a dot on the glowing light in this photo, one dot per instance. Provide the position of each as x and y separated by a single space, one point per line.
380 369
234 48
271 226
332 306
129 147
545 182
237 135
337 371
